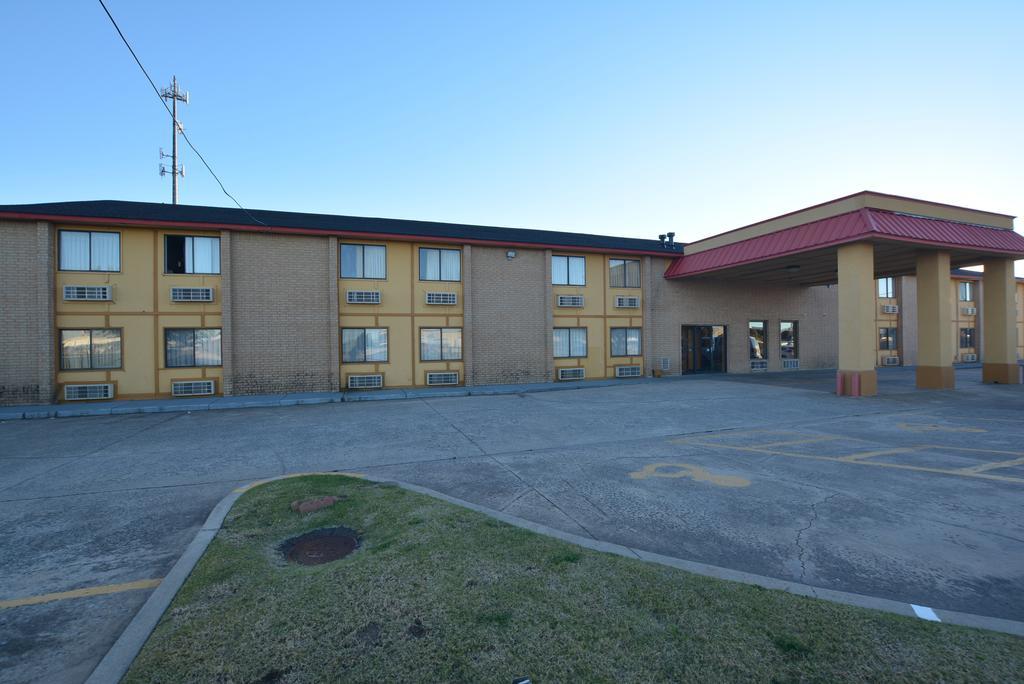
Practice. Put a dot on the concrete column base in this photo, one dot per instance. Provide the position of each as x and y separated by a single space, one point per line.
856 383
935 377
1000 373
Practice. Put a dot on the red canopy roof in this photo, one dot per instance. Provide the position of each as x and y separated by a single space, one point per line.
863 224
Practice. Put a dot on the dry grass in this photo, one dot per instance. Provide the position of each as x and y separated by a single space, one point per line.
438 593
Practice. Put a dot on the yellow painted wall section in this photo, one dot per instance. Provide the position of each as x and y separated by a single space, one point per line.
857 295
1020 320
887 320
598 315
962 318
404 312
141 309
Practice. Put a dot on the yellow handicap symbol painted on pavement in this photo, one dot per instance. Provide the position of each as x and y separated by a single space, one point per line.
932 427
674 470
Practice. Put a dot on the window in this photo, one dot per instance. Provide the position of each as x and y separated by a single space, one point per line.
364 261
440 344
568 270
967 338
570 342
186 254
90 349
886 288
887 339
626 342
789 340
624 272
82 250
191 347
440 264
966 291
364 345
758 331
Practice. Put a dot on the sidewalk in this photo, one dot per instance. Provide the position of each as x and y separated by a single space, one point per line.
123 407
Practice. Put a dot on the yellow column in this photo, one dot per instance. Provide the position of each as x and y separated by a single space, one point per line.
857 375
999 324
934 317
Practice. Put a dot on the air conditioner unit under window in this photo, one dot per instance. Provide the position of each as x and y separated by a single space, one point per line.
191 388
571 301
443 378
365 381
790 364
362 297
88 293
443 298
191 294
968 358
891 361
758 366
622 302
85 392
890 309
571 373
627 371
970 310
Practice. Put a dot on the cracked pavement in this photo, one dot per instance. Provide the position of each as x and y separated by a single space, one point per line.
911 496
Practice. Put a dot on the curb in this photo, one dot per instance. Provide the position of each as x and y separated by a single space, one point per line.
115 664
128 407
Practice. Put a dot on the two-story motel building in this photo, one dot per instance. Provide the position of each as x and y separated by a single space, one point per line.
108 299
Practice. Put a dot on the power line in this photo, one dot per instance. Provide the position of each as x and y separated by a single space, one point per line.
183 134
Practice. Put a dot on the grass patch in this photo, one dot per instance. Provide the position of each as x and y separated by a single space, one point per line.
440 593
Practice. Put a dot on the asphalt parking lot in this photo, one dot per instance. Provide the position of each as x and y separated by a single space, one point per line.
912 496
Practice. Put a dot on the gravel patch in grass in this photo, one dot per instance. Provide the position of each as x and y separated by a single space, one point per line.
439 593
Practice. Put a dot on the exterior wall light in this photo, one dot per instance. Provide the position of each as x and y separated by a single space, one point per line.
510 254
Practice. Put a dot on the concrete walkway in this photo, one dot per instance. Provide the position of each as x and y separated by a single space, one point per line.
127 407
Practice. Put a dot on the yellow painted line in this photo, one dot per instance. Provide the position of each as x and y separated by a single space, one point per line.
934 427
809 440
80 593
993 466
897 466
676 470
881 452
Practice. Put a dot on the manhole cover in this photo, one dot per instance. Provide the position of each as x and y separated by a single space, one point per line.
320 546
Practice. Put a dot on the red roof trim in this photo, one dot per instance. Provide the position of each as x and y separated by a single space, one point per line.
850 196
854 226
398 237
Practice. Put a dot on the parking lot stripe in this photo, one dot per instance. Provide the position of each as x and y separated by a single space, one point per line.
896 466
925 613
993 466
80 593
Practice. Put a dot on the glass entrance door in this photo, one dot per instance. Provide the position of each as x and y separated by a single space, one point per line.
703 349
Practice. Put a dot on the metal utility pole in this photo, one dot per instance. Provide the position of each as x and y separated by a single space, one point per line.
175 96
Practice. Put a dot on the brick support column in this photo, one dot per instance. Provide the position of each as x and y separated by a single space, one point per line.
998 324
857 375
934 324
227 339
549 317
467 314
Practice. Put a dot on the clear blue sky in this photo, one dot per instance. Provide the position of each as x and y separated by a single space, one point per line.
619 118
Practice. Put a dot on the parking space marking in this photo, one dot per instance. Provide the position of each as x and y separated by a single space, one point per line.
880 452
935 427
864 460
809 440
80 593
676 470
985 467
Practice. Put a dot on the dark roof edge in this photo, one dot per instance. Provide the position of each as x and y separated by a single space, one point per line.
125 213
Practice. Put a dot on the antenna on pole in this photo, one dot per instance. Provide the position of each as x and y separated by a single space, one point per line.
175 96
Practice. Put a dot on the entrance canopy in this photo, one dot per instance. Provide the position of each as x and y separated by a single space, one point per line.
801 248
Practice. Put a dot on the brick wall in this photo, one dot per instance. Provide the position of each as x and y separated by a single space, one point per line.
508 306
281 314
674 303
26 300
